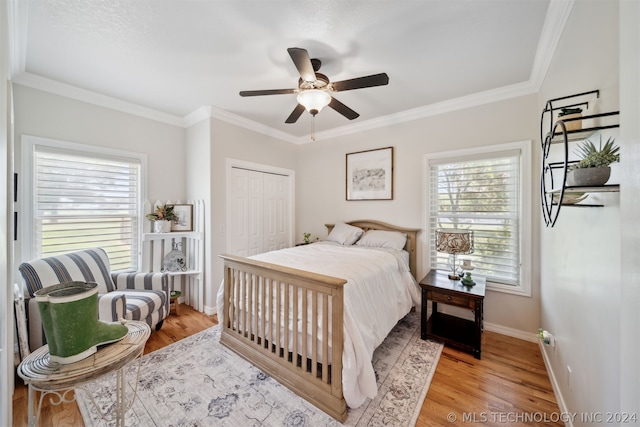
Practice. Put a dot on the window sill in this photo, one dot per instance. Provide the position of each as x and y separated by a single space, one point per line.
509 289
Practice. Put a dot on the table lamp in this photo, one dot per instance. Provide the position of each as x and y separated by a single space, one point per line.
454 242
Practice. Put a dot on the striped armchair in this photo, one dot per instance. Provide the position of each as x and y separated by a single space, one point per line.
131 296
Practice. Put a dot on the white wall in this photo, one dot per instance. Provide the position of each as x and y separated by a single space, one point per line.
629 367
43 114
321 183
47 115
580 256
230 141
198 183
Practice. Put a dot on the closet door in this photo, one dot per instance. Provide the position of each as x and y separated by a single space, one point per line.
255 212
259 211
237 212
276 212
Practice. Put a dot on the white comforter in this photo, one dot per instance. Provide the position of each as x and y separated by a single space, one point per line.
380 291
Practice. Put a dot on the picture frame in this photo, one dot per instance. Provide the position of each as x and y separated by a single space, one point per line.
369 174
185 218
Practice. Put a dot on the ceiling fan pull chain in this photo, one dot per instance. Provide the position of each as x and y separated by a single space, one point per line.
313 128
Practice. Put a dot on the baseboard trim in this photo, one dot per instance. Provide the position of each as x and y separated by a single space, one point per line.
510 332
493 327
210 311
562 405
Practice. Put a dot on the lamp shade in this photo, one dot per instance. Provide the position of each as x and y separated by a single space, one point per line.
453 241
314 100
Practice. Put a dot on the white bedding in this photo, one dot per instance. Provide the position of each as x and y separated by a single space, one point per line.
380 291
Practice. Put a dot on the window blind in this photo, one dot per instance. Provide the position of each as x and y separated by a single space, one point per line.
84 200
480 195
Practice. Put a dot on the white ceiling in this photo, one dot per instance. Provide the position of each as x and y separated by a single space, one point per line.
168 59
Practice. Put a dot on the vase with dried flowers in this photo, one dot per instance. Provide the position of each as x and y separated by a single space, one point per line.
162 218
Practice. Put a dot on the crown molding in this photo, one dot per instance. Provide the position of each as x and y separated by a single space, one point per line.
48 85
481 98
237 120
18 14
555 21
211 112
202 113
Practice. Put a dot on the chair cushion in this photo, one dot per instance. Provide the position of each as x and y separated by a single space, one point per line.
140 304
88 265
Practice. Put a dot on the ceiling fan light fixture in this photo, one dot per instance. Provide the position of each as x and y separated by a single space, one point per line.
314 100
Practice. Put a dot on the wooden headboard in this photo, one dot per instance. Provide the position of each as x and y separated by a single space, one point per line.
410 246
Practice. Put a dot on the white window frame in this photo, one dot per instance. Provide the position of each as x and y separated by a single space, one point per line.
26 180
523 287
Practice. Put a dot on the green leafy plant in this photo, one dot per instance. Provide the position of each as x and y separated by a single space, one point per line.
163 213
600 157
568 110
306 237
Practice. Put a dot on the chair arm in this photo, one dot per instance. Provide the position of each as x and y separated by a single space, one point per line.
142 281
112 306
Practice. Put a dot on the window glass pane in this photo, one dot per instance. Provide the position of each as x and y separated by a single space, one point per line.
483 196
86 200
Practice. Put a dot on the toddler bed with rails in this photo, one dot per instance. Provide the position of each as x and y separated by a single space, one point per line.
312 315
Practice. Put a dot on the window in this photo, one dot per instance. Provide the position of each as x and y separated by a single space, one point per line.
488 191
81 197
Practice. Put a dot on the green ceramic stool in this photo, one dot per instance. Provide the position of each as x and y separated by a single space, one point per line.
69 314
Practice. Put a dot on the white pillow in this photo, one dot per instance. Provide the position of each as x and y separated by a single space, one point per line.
345 234
383 239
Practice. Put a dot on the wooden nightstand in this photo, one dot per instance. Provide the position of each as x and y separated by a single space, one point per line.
455 331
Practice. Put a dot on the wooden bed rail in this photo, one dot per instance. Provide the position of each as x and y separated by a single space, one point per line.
288 323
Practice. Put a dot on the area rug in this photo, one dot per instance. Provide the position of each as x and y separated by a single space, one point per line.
198 382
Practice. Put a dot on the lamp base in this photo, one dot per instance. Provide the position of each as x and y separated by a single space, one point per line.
454 276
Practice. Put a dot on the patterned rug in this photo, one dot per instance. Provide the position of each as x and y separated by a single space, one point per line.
198 382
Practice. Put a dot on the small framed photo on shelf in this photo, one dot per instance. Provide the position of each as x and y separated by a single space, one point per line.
370 175
185 218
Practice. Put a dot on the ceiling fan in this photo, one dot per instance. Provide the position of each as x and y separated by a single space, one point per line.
315 89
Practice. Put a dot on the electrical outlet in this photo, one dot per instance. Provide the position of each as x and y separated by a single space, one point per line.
569 376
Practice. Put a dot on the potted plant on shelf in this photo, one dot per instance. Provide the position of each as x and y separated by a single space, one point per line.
594 168
570 113
162 218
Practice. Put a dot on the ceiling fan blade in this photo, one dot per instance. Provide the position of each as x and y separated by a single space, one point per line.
300 58
295 114
267 92
361 82
343 109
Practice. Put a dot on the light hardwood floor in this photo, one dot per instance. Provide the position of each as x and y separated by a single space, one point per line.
507 385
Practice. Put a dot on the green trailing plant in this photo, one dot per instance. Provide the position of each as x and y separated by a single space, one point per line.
597 157
163 213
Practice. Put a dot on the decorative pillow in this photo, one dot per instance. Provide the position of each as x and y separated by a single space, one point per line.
383 239
345 234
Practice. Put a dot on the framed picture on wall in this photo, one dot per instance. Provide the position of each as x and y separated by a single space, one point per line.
185 218
370 175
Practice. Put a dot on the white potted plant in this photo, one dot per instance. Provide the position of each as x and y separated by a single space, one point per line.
594 168
162 218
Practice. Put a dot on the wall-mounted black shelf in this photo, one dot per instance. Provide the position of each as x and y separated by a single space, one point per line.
584 133
608 188
557 133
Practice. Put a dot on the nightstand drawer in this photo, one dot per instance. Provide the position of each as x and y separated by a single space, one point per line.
457 300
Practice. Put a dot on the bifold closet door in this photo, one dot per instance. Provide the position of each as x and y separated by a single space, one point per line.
260 206
276 212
